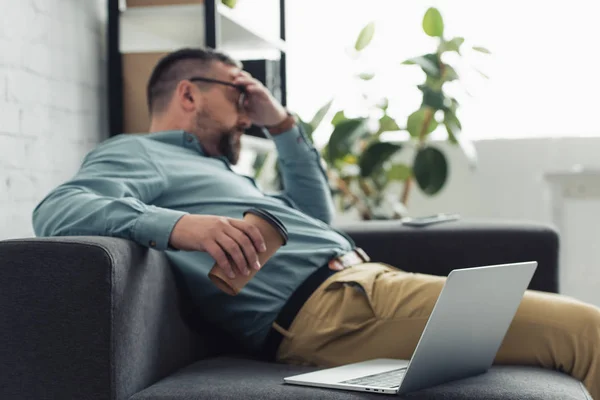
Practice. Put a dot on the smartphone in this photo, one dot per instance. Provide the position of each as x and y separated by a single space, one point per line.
429 220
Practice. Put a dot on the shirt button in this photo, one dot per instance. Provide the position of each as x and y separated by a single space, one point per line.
152 243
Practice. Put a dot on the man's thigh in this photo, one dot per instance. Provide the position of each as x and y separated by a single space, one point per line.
376 311
368 311
550 330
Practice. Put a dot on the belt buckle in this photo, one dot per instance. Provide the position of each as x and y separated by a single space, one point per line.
361 253
349 259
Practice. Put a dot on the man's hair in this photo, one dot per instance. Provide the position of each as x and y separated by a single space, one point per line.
174 67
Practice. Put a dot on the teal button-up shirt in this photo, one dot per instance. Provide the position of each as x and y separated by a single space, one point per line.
138 186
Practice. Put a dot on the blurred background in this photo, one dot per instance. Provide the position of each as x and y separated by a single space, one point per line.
485 109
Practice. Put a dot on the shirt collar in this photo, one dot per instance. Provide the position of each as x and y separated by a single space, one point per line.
187 140
179 138
191 141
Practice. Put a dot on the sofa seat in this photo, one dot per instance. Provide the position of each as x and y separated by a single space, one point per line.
239 378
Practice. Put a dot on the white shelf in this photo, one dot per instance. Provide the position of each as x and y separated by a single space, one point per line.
167 28
578 182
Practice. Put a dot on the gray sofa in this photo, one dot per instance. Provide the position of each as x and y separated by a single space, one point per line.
98 318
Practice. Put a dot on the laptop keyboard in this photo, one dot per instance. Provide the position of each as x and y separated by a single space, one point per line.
388 379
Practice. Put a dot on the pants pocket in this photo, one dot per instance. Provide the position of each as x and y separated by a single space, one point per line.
356 286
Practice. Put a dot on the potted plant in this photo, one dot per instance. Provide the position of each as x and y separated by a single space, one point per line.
368 171
363 167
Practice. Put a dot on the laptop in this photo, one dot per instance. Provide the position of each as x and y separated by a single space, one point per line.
461 338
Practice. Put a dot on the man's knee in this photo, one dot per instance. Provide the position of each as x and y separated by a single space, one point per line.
561 313
584 319
592 315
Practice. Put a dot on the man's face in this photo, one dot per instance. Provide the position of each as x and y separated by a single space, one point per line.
219 121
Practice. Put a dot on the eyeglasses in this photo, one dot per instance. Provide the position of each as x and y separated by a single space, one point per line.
242 89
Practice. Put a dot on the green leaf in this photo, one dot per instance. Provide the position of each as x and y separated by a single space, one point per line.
399 172
450 116
453 104
383 104
433 24
431 170
481 49
434 98
415 122
349 159
366 76
306 127
434 83
375 155
452 45
429 63
453 132
482 74
453 127
450 73
320 114
324 152
365 36
344 136
387 123
338 117
468 149
259 163
278 180
229 3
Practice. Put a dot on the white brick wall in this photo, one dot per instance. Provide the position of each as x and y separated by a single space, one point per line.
52 99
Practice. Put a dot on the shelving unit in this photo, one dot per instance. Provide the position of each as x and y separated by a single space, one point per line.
574 196
140 32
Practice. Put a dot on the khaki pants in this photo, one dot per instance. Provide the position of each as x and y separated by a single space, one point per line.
373 310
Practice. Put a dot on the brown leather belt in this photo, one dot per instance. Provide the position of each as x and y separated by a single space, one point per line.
303 292
350 259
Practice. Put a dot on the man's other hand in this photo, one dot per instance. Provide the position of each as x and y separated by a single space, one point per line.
233 243
262 108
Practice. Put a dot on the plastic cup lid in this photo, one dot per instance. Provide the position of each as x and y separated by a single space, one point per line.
273 220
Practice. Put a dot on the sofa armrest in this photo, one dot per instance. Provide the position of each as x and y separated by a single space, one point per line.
87 318
438 249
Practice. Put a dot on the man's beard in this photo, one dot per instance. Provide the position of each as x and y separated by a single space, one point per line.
229 147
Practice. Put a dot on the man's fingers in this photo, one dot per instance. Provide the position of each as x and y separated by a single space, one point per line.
234 250
255 89
252 232
247 246
241 72
220 258
244 81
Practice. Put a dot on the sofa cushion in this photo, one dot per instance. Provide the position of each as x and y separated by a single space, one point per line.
237 378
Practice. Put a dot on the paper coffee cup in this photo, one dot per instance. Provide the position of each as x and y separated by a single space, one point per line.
275 235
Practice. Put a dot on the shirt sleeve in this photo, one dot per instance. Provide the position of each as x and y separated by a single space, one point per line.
304 178
109 196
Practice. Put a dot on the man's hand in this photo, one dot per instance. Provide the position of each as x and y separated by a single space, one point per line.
225 239
262 108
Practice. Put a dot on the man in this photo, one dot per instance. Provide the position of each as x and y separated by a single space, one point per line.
173 190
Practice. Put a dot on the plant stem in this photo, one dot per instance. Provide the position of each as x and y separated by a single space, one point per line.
365 212
422 135
406 190
365 187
